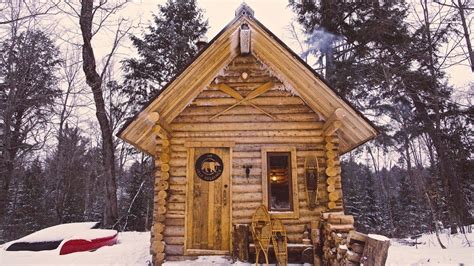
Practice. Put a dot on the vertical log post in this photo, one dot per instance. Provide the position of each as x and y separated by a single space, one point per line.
316 240
162 168
241 242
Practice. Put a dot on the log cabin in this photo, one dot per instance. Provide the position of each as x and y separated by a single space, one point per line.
242 125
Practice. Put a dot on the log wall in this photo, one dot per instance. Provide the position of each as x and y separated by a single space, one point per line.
293 124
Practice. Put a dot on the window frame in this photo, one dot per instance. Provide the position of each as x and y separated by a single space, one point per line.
294 213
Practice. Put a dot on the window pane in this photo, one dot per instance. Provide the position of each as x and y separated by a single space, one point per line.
279 180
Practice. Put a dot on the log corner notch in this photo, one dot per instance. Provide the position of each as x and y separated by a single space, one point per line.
334 122
161 187
160 128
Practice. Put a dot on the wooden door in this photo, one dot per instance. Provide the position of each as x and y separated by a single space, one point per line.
208 205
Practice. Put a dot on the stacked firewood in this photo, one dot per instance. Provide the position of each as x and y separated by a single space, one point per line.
335 230
351 252
342 245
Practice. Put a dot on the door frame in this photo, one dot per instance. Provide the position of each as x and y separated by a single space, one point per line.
190 147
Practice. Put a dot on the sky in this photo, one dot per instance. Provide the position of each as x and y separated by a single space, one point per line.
274 14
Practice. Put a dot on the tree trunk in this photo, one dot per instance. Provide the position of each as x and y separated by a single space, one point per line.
466 34
375 251
94 81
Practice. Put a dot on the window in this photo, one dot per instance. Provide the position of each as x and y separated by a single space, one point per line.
279 181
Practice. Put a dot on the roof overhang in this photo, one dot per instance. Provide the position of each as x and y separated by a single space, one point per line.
354 128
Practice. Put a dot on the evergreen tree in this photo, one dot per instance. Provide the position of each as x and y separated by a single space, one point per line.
68 168
27 212
28 89
140 197
164 50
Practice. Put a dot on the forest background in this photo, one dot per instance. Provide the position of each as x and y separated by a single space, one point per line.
72 73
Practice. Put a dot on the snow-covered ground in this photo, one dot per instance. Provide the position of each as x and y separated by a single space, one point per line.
460 251
133 249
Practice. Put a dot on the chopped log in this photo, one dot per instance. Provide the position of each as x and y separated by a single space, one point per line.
160 218
329 139
165 175
333 205
331 188
159 258
165 149
161 209
340 218
174 249
327 214
357 248
354 257
335 195
357 236
157 237
332 180
162 194
339 227
330 171
159 247
375 250
165 142
165 167
165 157
158 228
241 238
162 185
330 154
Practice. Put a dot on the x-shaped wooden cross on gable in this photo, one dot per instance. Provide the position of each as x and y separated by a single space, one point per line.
243 100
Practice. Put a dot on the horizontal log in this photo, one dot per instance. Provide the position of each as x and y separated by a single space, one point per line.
174 240
175 206
177 198
245 188
251 140
260 101
174 231
175 215
174 222
156 237
335 195
338 227
250 133
246 197
340 219
238 206
356 236
246 126
174 249
257 116
257 147
252 180
245 110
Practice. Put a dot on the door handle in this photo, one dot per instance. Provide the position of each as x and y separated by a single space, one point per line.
225 195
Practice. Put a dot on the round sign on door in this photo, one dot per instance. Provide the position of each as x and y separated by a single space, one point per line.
209 166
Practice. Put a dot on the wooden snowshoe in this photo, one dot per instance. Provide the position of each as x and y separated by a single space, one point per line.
279 240
311 167
261 232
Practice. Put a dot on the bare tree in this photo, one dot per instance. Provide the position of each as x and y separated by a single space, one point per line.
94 80
26 10
464 10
